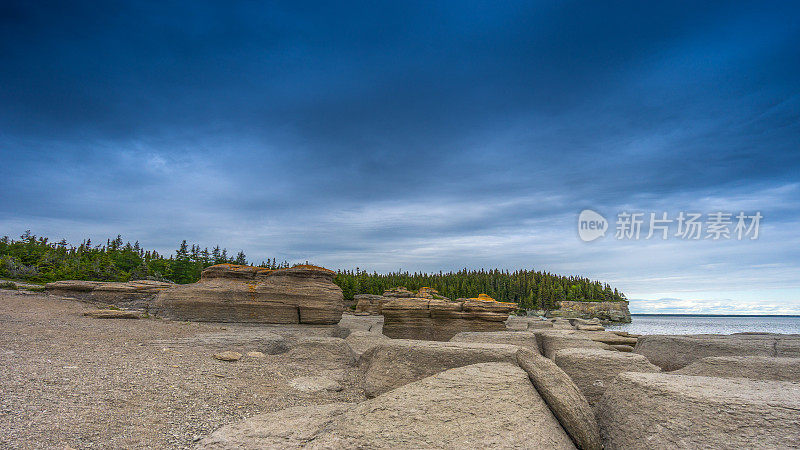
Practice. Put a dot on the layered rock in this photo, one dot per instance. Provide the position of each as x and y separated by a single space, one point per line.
551 341
605 311
397 362
753 367
132 294
665 411
440 320
563 397
370 304
519 338
399 292
231 293
593 370
522 323
674 352
489 405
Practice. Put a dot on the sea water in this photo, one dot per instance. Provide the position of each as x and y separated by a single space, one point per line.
708 324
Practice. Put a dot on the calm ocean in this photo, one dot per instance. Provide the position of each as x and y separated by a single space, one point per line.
703 324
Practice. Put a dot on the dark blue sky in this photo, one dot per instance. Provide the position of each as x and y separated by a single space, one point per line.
414 135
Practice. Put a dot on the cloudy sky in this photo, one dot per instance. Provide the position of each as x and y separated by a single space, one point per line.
416 135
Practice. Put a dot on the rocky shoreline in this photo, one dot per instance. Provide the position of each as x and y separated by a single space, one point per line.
533 383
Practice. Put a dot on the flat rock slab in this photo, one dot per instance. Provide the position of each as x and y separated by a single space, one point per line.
489 405
520 338
362 323
112 314
675 352
397 362
315 384
666 411
593 370
753 367
551 341
563 397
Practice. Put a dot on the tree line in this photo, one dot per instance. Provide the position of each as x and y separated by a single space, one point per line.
530 289
37 259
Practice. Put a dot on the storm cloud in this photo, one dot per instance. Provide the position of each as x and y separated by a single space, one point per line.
416 135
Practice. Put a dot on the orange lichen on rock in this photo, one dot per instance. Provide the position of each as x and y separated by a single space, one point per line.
486 298
311 266
239 267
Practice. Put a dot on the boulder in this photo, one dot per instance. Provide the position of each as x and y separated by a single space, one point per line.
520 338
551 341
370 304
112 314
489 405
623 348
440 320
231 293
666 411
322 352
563 397
604 311
397 362
362 323
522 323
753 367
361 341
562 324
609 338
590 327
593 370
675 352
228 356
579 321
132 294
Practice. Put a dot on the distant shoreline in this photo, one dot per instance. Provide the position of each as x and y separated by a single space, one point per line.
715 315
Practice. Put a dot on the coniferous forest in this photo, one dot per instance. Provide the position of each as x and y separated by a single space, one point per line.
36 259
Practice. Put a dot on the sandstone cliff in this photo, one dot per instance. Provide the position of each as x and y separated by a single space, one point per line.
231 293
605 311
440 320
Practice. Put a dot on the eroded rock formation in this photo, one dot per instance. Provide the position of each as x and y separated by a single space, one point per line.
133 294
225 293
440 320
231 293
605 311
